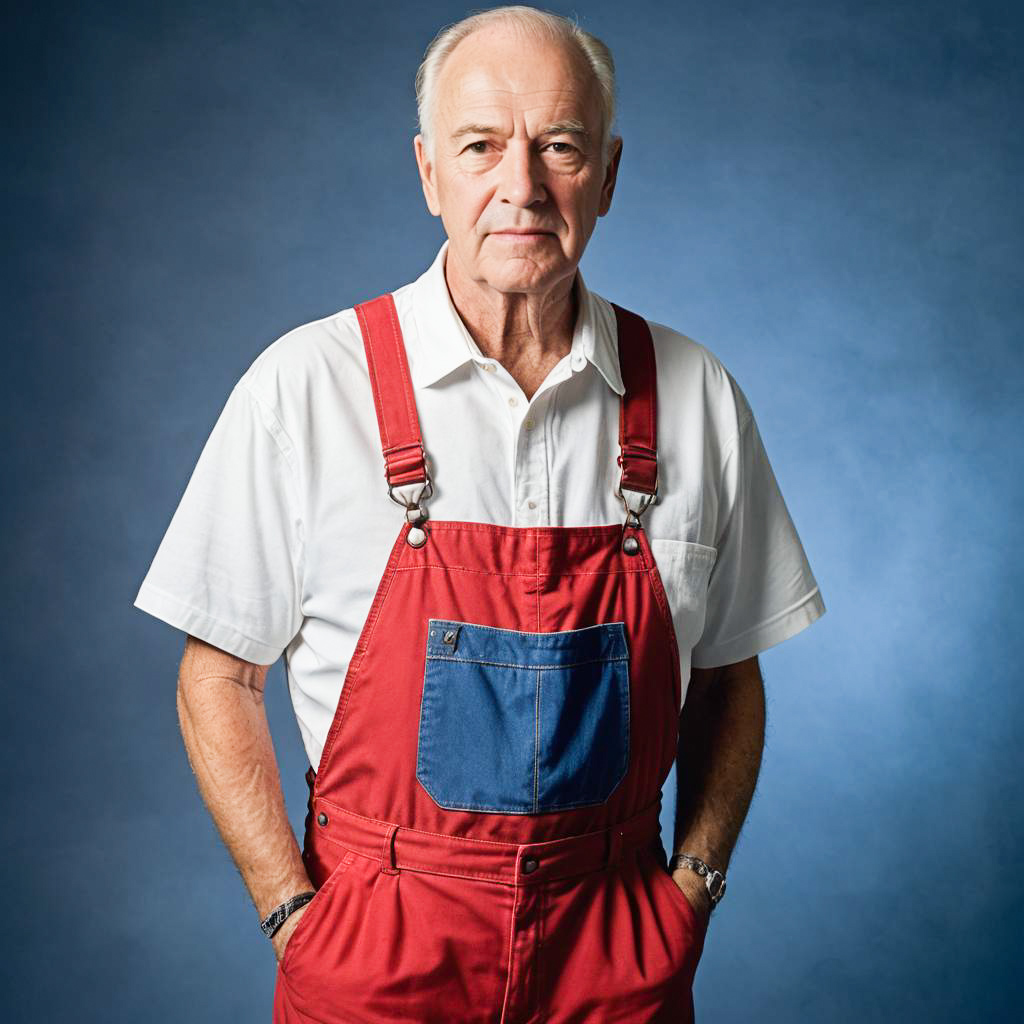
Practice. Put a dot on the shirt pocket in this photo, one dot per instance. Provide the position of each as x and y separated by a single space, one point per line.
516 722
685 570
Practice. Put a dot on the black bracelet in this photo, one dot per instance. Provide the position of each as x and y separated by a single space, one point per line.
278 915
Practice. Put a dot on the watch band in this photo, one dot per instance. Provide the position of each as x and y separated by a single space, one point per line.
714 880
279 914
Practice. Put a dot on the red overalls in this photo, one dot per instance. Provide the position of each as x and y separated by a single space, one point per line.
483 828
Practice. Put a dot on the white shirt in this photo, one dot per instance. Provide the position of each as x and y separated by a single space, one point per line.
285 526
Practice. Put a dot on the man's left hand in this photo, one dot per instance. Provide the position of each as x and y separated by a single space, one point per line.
696 893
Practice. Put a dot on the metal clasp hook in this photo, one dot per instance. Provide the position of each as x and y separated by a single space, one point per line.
629 543
415 510
645 499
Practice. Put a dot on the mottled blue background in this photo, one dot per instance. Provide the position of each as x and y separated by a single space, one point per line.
826 194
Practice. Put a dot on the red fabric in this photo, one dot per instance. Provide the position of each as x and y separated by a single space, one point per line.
396 408
638 435
425 914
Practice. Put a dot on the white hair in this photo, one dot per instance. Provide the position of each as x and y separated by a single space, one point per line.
542 25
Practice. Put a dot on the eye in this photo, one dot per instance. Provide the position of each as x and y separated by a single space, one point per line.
481 142
568 148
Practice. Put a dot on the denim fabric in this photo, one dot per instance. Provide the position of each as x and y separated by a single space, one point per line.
521 723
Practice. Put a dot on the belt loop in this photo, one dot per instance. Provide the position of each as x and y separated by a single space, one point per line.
614 846
387 853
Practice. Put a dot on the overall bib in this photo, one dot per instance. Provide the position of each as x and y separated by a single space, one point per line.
483 827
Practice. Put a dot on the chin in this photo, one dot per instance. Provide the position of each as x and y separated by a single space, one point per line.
525 270
534 282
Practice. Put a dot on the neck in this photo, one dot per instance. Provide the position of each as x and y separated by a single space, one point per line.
527 332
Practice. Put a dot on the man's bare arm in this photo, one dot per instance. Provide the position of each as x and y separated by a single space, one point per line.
721 739
227 739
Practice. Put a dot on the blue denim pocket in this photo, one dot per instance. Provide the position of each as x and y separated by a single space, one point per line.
523 723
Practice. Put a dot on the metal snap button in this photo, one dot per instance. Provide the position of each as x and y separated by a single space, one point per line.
631 545
322 818
529 865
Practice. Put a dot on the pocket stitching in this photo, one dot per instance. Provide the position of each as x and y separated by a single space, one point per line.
619 666
322 894
528 668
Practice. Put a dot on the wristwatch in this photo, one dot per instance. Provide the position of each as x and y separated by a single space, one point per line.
713 879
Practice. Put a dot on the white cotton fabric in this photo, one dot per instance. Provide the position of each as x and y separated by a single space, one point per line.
284 529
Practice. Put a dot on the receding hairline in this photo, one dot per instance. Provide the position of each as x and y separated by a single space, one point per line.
584 51
563 126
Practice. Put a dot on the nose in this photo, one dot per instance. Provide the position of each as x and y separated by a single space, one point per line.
522 176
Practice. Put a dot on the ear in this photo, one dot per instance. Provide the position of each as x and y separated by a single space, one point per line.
611 176
427 176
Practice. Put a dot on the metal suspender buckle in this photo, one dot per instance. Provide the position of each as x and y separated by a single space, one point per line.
415 512
646 500
425 493
630 545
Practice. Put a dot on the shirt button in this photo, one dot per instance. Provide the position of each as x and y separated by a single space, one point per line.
529 865
489 367
528 424
531 504
513 400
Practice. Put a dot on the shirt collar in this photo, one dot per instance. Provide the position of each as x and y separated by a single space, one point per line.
443 343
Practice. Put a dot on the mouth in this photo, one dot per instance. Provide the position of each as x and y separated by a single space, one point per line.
526 235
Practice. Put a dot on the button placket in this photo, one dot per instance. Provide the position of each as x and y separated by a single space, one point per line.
531 483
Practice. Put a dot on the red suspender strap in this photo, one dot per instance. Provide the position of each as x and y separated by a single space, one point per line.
638 410
392 392
394 401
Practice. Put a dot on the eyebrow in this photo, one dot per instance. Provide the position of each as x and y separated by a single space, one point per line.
568 126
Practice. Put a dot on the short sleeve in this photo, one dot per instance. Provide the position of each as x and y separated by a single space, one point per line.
229 568
761 590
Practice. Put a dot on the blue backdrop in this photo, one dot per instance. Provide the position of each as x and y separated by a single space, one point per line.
826 194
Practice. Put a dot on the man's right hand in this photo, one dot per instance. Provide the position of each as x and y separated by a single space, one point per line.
227 738
283 934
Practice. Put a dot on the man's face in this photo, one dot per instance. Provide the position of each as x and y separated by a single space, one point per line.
517 137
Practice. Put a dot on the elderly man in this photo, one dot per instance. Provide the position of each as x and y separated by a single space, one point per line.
495 655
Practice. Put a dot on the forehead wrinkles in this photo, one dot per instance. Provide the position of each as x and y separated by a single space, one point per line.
484 73
552 104
505 109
